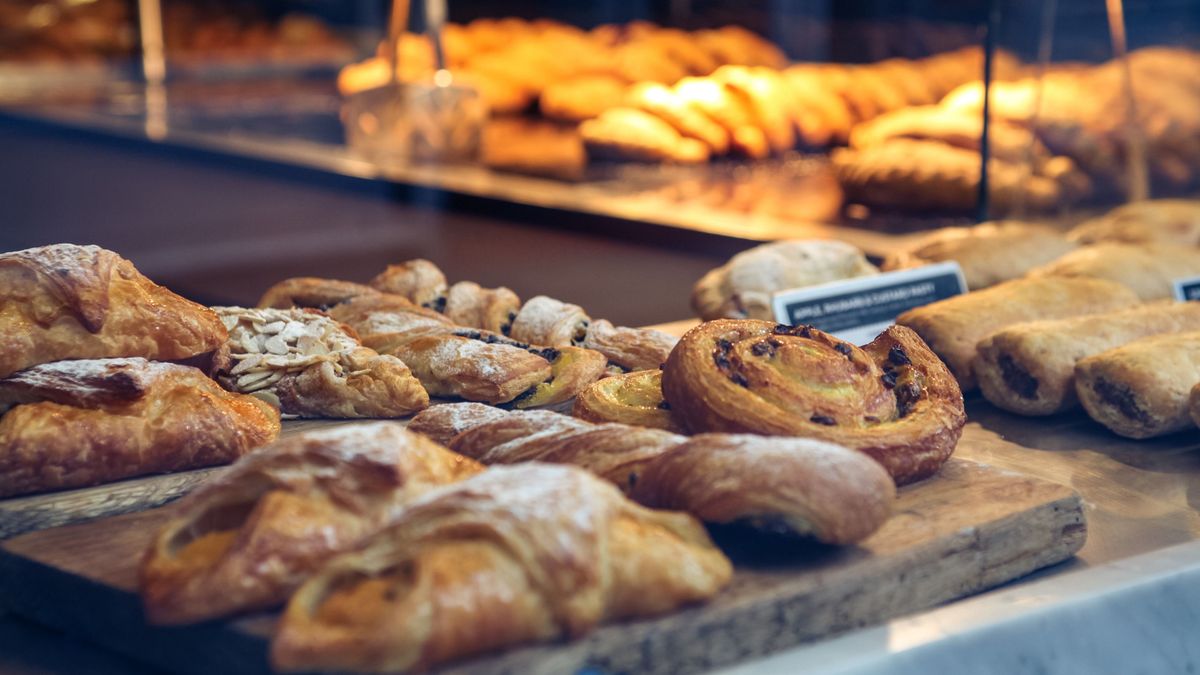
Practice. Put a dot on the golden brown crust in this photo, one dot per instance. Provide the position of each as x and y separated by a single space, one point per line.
631 398
630 348
86 422
442 423
1168 221
1029 368
247 539
546 321
581 98
82 302
764 97
953 327
1194 405
312 292
494 309
893 399
732 112
1149 269
688 119
516 554
418 280
635 135
474 370
1141 390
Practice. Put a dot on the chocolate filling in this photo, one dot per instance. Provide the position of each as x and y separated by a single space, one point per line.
663 405
1123 399
888 379
907 395
897 356
437 305
1017 378
823 419
843 349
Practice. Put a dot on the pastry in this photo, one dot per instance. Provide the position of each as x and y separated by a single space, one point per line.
246 540
514 555
892 399
93 421
1150 270
1166 221
546 321
732 112
581 98
988 254
1141 390
636 135
777 485
417 280
83 302
762 95
629 348
689 120
953 327
1194 405
308 365
632 398
742 288
312 292
1029 368
452 419
493 309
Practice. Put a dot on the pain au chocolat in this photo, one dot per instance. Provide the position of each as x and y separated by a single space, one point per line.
893 399
84 302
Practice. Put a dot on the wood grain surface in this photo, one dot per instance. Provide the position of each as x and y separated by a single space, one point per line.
970 528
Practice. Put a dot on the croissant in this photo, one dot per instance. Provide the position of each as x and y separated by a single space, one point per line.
546 321
493 309
797 486
92 421
246 540
312 292
82 302
417 280
893 399
306 364
630 398
513 555
629 348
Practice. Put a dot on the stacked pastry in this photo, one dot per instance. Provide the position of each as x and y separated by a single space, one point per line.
90 393
515 63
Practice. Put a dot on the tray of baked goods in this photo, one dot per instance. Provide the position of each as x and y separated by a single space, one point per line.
537 490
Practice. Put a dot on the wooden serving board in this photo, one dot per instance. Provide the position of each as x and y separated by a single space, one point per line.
969 528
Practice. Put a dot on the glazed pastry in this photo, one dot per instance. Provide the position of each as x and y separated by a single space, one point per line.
93 421
892 399
1149 269
632 398
664 103
417 280
546 321
762 95
716 101
312 292
777 485
83 302
630 348
514 555
953 327
493 309
308 365
988 254
742 288
1029 368
635 135
1166 221
1142 390
246 540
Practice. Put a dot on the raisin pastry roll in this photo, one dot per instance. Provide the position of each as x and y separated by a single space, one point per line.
892 399
309 365
93 421
83 302
1149 269
419 280
511 556
953 327
546 321
246 540
313 292
630 398
630 348
1029 368
493 309
1141 390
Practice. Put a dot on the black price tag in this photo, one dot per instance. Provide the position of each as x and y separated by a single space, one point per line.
1187 289
856 310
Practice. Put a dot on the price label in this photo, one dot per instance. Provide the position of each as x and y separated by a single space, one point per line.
1187 289
856 310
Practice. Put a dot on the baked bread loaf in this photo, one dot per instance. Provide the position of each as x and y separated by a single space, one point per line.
1029 368
511 556
1164 221
309 365
632 398
742 287
988 254
83 302
892 399
953 327
1141 390
1149 269
777 485
313 292
93 421
246 540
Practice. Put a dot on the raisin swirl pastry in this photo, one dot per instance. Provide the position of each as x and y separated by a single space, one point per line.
892 399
